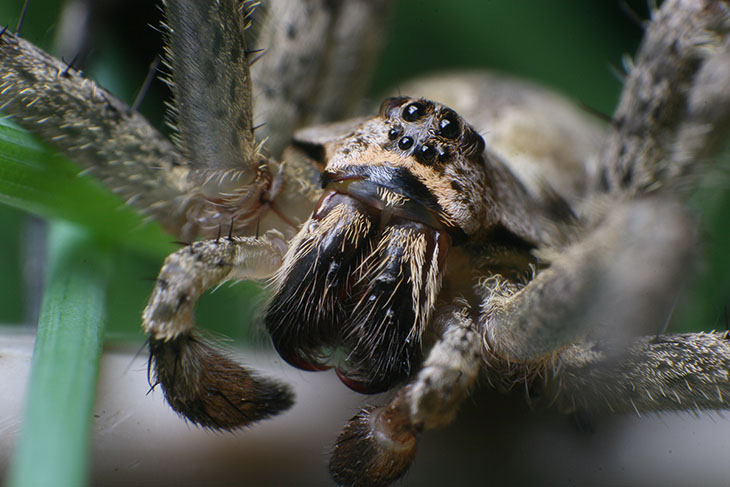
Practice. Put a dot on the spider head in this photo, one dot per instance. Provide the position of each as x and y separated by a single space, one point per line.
361 278
422 150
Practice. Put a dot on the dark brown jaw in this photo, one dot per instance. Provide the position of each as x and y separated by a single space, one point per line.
358 286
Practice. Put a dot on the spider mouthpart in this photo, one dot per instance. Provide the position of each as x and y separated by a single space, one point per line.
375 448
394 190
394 297
361 277
209 389
303 317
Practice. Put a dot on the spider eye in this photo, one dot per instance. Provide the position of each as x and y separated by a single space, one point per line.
405 143
444 155
393 133
413 111
449 127
426 154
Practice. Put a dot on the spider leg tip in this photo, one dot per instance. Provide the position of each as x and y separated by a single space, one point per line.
211 390
375 448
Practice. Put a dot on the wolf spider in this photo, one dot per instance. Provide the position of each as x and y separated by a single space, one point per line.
408 252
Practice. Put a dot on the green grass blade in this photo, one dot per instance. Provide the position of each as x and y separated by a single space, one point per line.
53 447
35 178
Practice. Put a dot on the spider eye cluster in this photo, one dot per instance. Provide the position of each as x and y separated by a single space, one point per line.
428 131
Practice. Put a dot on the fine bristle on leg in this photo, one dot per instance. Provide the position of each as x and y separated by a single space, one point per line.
676 372
211 390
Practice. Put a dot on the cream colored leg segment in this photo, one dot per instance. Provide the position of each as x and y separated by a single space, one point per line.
682 372
191 271
617 283
448 373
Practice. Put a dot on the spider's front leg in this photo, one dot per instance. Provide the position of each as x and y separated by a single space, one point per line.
199 382
215 174
214 112
215 177
378 445
213 107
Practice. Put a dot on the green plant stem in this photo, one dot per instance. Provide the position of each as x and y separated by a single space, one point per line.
53 447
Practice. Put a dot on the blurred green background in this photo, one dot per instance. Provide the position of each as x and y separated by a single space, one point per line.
575 47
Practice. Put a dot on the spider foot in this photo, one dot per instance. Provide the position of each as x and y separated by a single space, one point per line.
375 448
211 390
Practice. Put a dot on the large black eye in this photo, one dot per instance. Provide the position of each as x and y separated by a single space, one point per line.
449 126
413 111
426 154
405 143
444 154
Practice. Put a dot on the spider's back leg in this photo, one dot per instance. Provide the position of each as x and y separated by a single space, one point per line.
680 372
673 111
616 282
313 60
622 277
